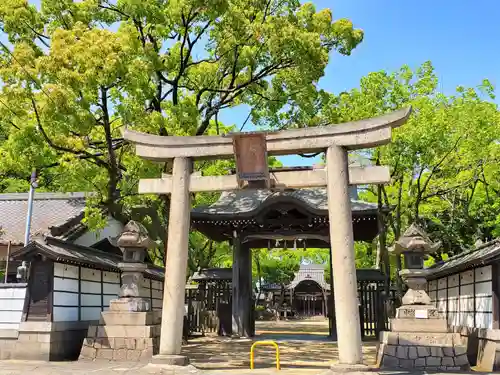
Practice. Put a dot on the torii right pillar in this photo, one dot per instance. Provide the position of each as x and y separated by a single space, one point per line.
343 259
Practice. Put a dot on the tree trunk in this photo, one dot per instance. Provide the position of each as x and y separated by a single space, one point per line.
382 237
397 234
281 301
259 275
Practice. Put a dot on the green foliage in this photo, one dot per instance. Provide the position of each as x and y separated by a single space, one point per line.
364 257
444 161
76 72
80 71
277 266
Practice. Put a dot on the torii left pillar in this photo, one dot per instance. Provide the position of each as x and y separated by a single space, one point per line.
175 267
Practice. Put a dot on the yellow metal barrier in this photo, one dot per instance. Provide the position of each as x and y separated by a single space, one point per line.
262 343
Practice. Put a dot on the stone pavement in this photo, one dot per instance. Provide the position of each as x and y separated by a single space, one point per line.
303 346
11 367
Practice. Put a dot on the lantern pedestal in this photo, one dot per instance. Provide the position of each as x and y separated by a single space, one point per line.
124 335
129 330
419 337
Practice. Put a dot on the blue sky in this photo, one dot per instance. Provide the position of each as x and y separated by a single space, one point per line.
460 37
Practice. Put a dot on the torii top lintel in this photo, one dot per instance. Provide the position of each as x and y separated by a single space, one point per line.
351 135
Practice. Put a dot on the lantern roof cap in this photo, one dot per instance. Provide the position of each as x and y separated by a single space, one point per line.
415 239
134 235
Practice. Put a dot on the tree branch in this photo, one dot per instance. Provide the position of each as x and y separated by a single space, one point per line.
78 153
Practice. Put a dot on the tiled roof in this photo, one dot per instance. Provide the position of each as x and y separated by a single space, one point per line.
246 202
65 252
481 255
312 266
50 210
314 272
272 286
213 274
362 274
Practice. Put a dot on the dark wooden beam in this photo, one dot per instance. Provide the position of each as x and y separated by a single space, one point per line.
495 295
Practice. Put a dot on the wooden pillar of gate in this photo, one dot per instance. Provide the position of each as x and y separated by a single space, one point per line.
241 290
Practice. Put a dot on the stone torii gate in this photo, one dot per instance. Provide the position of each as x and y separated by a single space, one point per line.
250 151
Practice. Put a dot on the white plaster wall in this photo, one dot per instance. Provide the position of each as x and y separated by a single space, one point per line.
93 292
156 295
65 271
11 307
157 304
65 314
111 277
90 313
461 294
107 299
111 287
112 229
66 286
88 288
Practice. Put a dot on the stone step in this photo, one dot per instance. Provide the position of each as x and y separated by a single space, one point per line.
121 343
111 331
114 318
419 325
128 355
421 339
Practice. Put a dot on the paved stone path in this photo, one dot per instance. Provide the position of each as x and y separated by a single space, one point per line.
304 344
108 368
304 351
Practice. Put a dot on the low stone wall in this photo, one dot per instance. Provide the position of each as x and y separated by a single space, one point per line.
45 341
429 352
488 355
470 337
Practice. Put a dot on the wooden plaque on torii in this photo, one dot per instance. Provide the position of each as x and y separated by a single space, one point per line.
250 152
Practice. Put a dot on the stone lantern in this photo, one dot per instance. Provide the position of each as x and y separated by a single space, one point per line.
415 245
419 338
133 242
129 330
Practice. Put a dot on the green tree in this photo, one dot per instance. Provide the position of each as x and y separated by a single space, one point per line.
76 72
364 257
277 266
443 161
